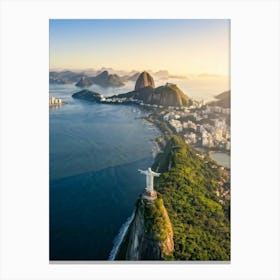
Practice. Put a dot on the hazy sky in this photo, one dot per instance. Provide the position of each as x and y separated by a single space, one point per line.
179 46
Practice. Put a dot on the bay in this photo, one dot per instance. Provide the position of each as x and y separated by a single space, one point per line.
95 151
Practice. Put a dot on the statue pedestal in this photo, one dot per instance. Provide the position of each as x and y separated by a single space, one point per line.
149 195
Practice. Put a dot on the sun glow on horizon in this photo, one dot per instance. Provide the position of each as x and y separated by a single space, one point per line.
178 46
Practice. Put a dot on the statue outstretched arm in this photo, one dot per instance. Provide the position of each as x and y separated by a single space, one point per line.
155 174
143 172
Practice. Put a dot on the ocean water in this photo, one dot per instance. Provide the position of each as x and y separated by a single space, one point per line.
95 151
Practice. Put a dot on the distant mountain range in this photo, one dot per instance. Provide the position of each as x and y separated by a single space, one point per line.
64 77
115 77
111 77
82 80
145 91
104 79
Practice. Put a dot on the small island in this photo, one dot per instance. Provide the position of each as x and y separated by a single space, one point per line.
88 95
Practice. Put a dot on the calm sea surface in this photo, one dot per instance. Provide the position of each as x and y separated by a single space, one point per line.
95 151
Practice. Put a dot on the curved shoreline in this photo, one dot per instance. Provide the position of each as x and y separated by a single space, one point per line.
119 238
123 230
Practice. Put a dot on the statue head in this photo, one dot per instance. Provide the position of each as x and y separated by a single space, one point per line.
149 169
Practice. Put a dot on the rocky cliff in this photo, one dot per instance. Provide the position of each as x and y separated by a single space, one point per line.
150 234
170 94
144 80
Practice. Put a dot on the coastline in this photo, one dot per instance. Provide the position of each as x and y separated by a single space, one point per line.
166 130
120 237
158 145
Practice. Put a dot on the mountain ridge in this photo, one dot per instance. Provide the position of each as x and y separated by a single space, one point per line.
165 95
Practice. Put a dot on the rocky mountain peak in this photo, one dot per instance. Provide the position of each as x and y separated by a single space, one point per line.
103 74
144 80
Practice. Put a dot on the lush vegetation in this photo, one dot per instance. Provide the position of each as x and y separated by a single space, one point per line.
156 228
155 219
188 186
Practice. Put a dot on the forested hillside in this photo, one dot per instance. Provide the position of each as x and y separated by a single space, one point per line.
196 194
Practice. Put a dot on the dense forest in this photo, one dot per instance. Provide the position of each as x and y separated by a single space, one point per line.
196 194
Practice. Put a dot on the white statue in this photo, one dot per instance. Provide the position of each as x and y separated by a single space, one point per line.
149 178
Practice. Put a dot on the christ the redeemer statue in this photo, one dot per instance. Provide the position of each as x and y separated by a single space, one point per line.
150 174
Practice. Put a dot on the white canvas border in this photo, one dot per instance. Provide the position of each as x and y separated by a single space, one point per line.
255 138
